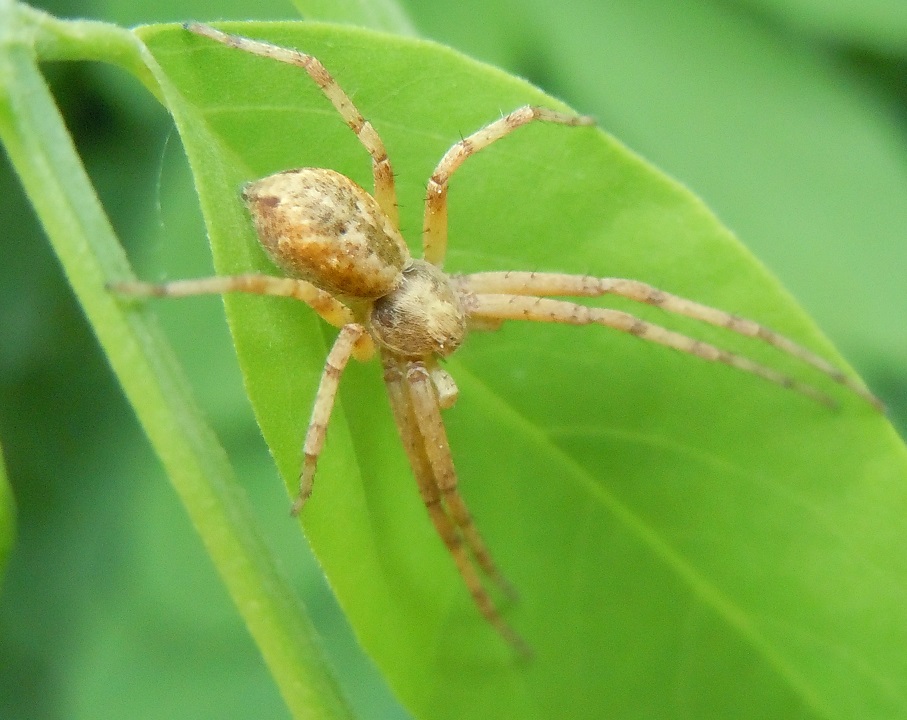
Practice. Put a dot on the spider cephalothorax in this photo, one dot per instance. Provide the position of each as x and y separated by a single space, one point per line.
344 256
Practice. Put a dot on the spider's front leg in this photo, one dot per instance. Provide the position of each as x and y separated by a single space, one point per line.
414 402
426 409
352 341
344 347
547 284
492 307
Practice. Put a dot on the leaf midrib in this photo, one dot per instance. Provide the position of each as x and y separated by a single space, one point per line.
734 615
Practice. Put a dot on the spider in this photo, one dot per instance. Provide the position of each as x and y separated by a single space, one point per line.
342 253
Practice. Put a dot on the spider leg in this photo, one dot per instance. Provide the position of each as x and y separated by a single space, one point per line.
414 445
543 284
323 303
434 232
383 174
427 411
417 443
336 361
527 307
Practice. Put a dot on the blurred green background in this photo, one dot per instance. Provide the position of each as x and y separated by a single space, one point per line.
789 119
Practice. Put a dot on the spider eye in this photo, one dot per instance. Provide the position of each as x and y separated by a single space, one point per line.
320 226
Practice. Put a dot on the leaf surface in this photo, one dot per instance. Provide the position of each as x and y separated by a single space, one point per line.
682 535
791 149
876 23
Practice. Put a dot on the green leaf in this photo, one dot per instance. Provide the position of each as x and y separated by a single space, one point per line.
682 535
384 15
789 149
878 23
786 146
43 155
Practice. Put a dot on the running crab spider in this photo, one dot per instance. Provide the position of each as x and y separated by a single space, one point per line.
342 253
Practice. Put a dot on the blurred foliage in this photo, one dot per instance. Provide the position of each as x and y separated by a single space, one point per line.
110 607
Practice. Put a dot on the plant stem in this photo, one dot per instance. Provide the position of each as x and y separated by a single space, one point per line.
56 39
7 516
42 153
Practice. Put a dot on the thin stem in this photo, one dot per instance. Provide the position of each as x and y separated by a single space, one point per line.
7 516
56 39
44 157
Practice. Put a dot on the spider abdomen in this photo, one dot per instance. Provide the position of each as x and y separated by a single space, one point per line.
422 317
319 225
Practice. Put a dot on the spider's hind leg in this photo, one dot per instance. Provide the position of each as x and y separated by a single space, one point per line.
434 227
329 308
385 192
